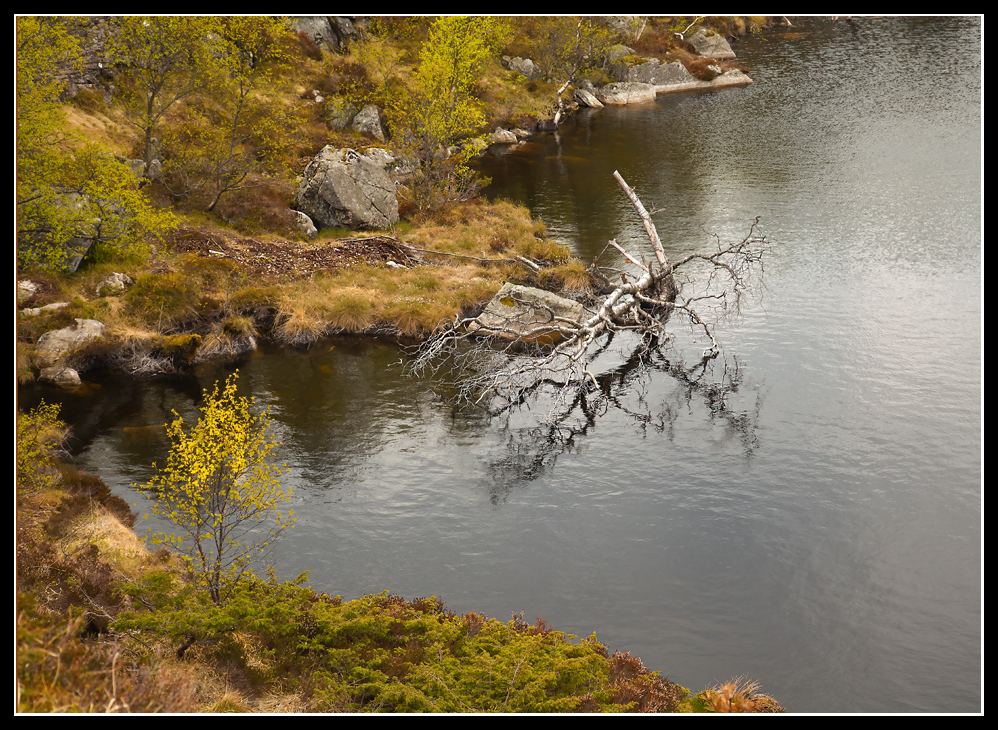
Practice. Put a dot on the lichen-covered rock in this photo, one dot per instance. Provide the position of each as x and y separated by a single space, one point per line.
35 311
652 71
317 28
305 224
344 189
63 376
56 345
523 66
710 44
502 136
339 114
524 313
25 290
114 284
618 52
368 121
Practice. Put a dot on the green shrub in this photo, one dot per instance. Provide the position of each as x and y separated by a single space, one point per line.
384 653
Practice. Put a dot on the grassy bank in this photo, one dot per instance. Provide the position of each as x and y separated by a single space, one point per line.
106 625
187 304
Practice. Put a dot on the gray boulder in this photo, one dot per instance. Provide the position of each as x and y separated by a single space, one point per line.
25 290
304 224
319 30
587 98
346 30
525 313
344 189
62 376
339 114
35 311
502 136
368 121
651 71
618 51
712 45
114 284
52 347
524 67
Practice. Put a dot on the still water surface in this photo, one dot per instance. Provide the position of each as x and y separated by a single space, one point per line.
821 532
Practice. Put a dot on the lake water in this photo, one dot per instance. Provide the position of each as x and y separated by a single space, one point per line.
819 530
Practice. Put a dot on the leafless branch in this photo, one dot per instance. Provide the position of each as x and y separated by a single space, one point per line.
498 365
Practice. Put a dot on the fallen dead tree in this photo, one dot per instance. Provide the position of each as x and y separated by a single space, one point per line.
499 363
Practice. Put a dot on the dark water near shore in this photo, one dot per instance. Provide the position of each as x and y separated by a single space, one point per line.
822 533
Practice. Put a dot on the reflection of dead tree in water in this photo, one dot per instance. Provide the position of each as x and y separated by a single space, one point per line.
503 366
529 452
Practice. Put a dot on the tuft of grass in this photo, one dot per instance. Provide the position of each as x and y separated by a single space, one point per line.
574 277
740 695
350 311
161 301
238 326
230 702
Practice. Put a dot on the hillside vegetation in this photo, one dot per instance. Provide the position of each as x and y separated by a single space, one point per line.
170 150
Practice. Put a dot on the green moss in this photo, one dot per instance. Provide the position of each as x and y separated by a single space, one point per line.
179 346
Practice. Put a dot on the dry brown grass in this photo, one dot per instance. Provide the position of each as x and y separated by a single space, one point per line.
741 695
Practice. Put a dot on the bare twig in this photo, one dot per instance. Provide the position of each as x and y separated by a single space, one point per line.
499 361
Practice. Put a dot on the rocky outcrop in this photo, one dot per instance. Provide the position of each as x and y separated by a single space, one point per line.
652 71
523 66
331 33
587 98
710 44
524 313
344 189
318 29
634 92
114 284
368 121
54 347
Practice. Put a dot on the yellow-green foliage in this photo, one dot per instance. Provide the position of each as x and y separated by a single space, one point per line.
65 190
441 109
39 434
219 486
568 47
233 131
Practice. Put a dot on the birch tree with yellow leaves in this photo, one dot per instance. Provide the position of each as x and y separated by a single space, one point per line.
221 487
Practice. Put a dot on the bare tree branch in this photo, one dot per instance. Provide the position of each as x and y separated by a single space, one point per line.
500 364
